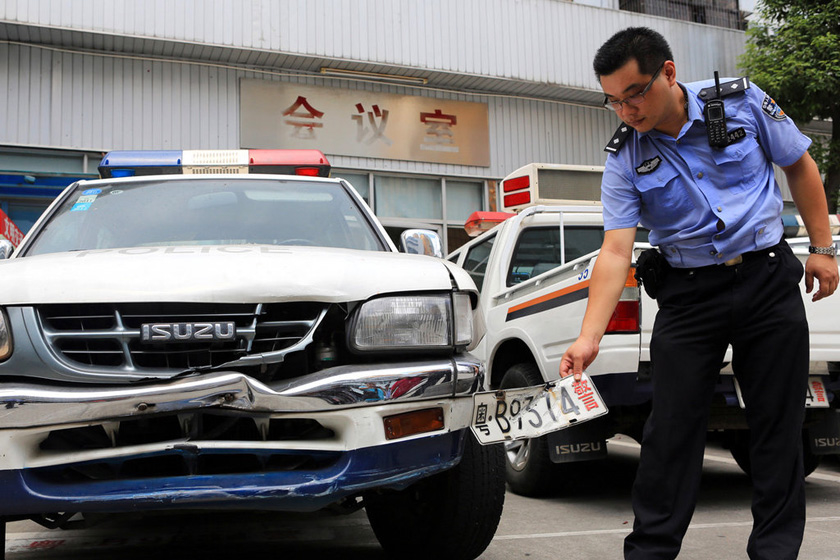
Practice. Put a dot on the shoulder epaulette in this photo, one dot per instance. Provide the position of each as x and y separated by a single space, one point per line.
728 88
615 143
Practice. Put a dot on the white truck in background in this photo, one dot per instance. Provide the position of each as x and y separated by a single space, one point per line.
533 273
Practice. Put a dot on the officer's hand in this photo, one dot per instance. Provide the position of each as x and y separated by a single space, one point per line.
578 357
824 269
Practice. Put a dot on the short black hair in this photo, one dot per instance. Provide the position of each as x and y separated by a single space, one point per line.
649 48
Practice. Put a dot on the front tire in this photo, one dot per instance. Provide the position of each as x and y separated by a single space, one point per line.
529 469
448 516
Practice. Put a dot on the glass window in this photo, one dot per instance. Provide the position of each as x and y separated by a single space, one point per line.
582 240
207 212
408 197
462 199
538 250
476 261
359 181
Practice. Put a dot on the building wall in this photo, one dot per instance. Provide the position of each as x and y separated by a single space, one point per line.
550 41
116 100
89 76
103 102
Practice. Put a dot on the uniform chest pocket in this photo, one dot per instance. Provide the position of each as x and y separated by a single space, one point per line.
741 162
660 187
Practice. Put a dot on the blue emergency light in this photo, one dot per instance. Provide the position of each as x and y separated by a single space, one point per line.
140 162
191 162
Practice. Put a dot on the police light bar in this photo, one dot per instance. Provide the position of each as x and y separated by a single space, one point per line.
190 162
479 222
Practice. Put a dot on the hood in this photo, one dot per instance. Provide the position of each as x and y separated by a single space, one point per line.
218 273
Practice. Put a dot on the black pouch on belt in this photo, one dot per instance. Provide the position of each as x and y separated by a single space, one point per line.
651 268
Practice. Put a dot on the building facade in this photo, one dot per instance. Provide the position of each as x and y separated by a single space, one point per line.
421 104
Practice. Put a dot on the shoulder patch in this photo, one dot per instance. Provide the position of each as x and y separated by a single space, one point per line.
621 134
769 106
649 165
726 88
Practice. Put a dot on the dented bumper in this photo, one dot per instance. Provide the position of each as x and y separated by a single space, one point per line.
35 491
29 405
226 440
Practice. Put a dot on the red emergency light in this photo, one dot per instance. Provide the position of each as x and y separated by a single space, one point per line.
517 198
519 189
312 163
479 222
516 183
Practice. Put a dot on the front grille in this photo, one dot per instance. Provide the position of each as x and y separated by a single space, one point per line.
108 336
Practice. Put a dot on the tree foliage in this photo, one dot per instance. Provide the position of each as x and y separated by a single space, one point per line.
793 53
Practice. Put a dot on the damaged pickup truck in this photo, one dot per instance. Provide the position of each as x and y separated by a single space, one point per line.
194 336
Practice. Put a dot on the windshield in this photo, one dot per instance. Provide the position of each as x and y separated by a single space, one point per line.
207 212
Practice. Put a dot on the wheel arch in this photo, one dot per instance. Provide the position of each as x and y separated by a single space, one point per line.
511 351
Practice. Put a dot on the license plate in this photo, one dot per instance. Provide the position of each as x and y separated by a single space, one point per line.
512 414
816 397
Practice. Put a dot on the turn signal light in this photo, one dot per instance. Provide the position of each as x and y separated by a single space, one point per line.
631 281
411 423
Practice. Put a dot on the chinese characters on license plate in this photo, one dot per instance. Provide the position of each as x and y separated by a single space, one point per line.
816 397
534 411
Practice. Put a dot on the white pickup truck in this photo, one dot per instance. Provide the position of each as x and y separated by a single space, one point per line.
533 273
177 338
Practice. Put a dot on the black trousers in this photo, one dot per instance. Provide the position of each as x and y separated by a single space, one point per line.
755 306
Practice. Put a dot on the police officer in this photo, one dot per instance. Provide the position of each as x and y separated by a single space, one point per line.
713 209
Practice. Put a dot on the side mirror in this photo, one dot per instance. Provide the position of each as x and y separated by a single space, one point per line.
421 242
6 249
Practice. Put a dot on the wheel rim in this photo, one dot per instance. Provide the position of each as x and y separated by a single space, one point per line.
517 453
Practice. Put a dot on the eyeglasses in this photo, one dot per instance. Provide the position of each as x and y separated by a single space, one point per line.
635 99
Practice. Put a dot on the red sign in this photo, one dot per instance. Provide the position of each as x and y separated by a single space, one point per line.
8 230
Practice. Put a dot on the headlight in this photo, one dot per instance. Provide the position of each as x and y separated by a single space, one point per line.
5 337
416 322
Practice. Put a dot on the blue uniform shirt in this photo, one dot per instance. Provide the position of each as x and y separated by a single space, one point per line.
705 205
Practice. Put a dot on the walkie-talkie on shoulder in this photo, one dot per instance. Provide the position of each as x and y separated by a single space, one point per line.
715 118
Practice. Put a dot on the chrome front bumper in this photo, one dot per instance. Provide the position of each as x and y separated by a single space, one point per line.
32 405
